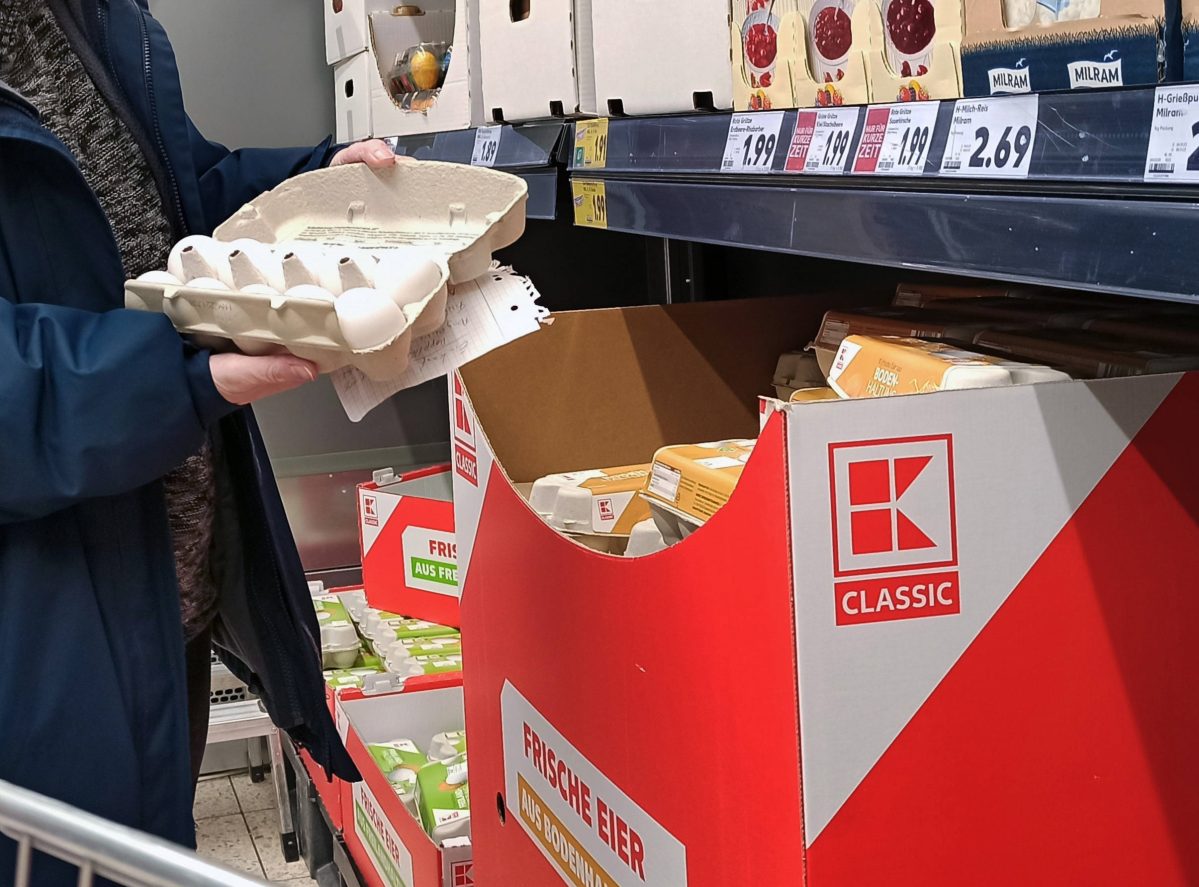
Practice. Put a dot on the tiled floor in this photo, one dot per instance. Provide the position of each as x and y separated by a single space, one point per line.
237 825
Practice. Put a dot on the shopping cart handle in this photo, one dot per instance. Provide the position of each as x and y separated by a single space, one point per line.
101 848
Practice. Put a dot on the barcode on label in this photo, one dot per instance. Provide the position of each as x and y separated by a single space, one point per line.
727 164
952 164
1161 167
884 165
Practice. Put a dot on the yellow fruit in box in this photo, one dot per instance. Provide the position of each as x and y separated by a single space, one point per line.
426 70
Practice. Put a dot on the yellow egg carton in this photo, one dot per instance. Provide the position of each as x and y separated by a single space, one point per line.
342 266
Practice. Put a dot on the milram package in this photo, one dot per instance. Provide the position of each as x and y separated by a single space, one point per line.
1021 46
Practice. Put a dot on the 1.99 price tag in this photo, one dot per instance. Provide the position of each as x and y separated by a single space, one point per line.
752 142
991 138
820 144
895 139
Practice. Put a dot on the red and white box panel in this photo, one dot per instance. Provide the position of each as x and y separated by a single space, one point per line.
409 553
930 638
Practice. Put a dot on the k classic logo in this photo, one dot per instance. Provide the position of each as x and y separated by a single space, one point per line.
466 462
894 529
370 511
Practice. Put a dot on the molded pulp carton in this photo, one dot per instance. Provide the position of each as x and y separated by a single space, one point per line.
459 214
384 838
538 59
409 555
941 588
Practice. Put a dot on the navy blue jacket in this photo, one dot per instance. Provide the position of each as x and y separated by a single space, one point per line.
97 404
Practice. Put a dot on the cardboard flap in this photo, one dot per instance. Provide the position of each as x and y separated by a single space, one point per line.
610 387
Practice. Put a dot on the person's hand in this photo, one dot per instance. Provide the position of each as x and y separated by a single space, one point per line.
242 380
374 153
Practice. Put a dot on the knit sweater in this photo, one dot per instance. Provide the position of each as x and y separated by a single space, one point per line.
37 60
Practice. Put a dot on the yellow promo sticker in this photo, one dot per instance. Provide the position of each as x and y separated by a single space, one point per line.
591 203
591 144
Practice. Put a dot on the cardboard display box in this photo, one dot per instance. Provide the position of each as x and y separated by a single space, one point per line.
538 59
409 556
385 840
346 30
364 104
972 617
1007 50
664 57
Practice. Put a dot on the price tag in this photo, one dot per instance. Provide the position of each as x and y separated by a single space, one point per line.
591 144
1173 154
820 144
487 145
991 138
591 203
895 139
752 142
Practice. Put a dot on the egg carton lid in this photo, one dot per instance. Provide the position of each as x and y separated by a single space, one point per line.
459 215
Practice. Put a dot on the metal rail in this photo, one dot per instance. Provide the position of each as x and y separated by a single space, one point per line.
100 848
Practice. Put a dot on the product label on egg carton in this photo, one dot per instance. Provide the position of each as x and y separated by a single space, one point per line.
698 479
368 237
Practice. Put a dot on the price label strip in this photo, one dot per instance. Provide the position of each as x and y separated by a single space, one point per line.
591 144
820 144
1173 154
487 145
752 142
895 139
991 138
591 203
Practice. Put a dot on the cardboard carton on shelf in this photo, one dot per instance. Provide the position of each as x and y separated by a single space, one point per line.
940 587
347 32
538 59
409 554
664 57
915 50
1019 46
385 839
799 53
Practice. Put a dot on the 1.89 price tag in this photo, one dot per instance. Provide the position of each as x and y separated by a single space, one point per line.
752 142
487 145
991 138
895 139
820 144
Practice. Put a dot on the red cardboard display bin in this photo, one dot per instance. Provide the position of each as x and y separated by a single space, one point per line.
385 840
409 555
939 639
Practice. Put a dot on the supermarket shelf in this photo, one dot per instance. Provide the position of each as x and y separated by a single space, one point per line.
1083 217
1096 136
530 151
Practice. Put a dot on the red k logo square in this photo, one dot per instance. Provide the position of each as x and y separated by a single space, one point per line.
893 505
463 874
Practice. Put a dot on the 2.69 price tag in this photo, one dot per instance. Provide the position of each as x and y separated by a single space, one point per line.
895 139
751 143
1173 154
991 138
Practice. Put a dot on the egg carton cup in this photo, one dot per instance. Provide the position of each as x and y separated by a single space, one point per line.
456 215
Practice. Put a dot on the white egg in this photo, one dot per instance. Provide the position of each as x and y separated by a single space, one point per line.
207 283
164 278
310 291
252 262
199 256
309 263
408 276
368 318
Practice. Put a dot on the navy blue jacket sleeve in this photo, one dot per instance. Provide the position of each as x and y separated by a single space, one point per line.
94 404
230 179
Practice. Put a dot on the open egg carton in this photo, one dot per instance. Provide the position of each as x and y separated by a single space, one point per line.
342 266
